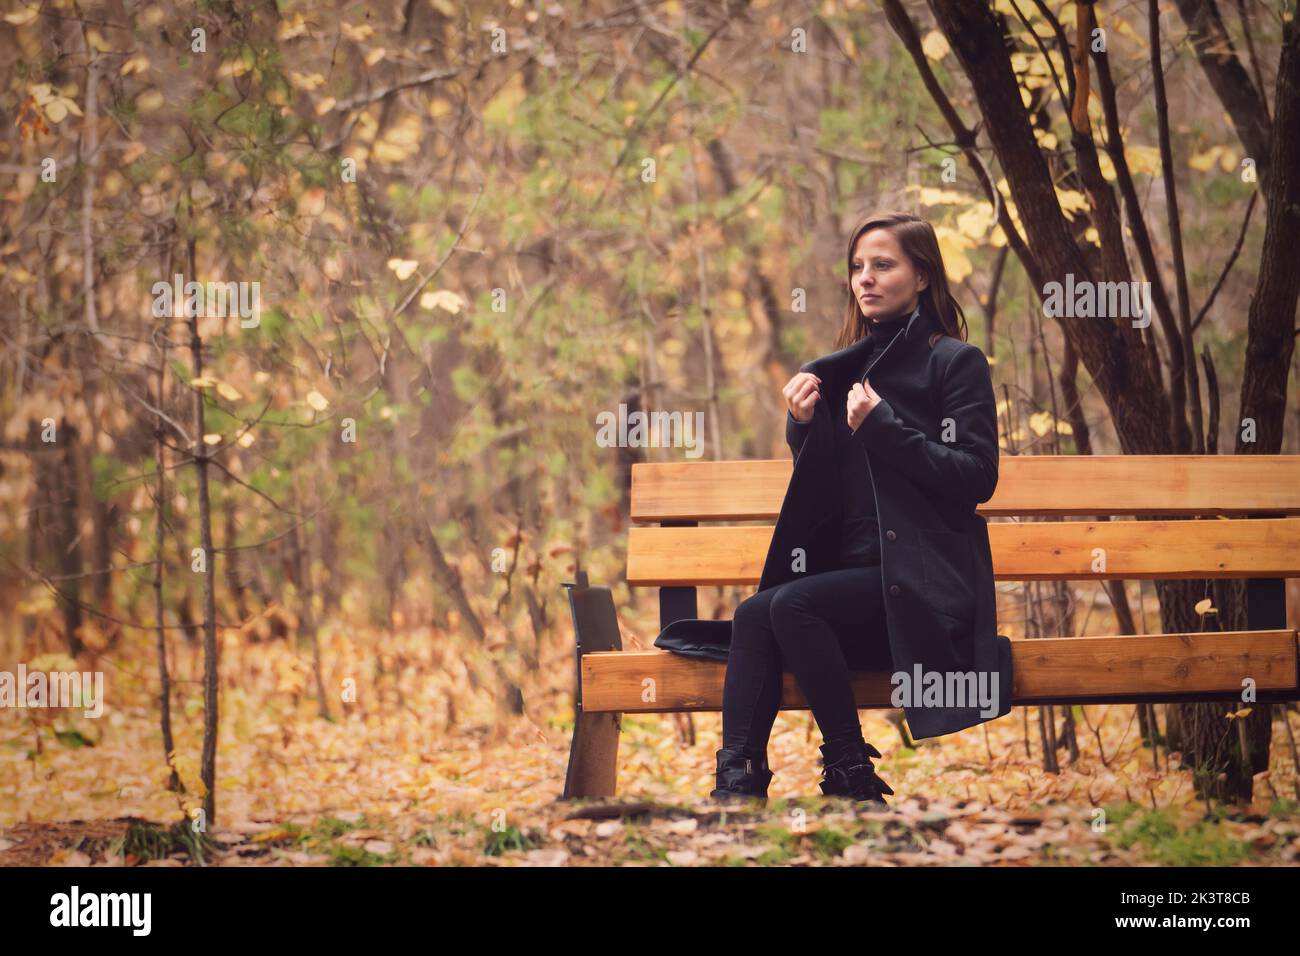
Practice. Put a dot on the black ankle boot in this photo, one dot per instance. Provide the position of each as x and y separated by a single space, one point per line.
848 772
741 774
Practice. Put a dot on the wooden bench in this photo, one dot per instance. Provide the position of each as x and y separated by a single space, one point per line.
1243 526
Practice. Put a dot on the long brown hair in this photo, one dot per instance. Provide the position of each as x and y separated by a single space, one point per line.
921 246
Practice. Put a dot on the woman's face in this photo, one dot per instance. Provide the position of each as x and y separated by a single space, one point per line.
881 276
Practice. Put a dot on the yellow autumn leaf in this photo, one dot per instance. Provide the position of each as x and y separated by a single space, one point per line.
1064 428
245 440
1143 159
136 64
357 33
55 661
212 438
935 45
929 196
1072 201
305 81
317 401
291 27
1204 161
444 299
203 382
952 246
1205 606
228 392
401 141
402 268
976 221
1040 423
1107 166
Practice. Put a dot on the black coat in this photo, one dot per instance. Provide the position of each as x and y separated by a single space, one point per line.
936 565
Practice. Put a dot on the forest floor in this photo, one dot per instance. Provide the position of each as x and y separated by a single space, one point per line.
385 787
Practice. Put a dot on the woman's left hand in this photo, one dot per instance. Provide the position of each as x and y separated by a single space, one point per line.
862 399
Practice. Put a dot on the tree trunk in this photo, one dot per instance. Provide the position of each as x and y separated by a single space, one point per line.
160 607
211 725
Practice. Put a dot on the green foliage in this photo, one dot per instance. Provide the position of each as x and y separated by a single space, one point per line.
73 738
1202 844
146 841
496 842
828 842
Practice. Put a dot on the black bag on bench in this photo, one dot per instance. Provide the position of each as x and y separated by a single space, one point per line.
697 637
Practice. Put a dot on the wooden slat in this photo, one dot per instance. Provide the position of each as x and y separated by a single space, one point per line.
1022 551
1047 670
1027 486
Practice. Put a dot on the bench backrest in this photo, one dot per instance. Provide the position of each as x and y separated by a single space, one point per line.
1241 507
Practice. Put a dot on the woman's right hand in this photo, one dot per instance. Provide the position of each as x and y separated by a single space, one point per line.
801 394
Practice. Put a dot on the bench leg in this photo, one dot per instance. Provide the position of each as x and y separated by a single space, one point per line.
593 756
593 753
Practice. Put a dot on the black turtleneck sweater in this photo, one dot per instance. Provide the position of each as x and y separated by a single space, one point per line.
860 541
861 533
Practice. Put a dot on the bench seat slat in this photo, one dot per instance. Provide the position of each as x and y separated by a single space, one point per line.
1028 485
1022 551
1047 670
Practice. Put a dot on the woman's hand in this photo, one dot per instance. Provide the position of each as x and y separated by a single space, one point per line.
862 399
801 394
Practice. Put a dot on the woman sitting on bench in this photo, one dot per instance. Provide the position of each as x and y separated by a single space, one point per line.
878 560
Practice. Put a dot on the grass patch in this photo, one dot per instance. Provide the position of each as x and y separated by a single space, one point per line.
329 828
828 842
1202 844
782 840
1284 808
511 838
425 837
145 840
341 855
638 848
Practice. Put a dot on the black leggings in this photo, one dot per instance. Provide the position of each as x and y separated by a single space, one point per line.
818 628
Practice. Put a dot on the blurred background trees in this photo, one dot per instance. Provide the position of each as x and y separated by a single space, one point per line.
474 227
